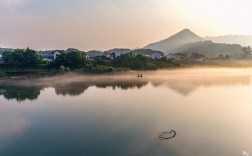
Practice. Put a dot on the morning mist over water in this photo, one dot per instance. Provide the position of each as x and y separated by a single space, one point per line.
209 108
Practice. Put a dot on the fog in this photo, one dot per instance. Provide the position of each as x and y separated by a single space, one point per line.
195 75
182 81
204 76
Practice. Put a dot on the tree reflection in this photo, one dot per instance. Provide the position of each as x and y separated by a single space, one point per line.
72 89
20 93
78 88
30 90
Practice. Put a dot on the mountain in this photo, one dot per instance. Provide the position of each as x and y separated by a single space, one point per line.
189 42
170 44
211 49
232 39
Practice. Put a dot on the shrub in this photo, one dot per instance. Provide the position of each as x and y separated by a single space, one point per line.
88 68
63 69
110 69
103 69
98 69
151 66
2 74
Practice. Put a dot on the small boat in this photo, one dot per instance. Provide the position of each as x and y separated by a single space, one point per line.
140 75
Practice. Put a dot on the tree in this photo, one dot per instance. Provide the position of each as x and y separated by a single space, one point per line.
23 58
221 57
72 59
246 52
196 56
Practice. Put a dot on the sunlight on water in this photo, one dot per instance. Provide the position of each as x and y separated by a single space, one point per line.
210 110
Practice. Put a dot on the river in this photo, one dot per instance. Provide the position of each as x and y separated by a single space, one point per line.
200 112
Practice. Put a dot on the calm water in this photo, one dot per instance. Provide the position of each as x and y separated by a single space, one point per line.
120 115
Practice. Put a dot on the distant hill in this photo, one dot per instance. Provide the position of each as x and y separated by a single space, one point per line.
232 39
187 41
211 49
172 43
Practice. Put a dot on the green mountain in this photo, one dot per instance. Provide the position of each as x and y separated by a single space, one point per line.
170 44
232 39
189 42
211 49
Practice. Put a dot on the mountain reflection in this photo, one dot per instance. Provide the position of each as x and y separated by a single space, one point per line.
21 91
186 86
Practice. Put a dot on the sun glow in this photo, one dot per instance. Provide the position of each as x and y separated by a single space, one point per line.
224 15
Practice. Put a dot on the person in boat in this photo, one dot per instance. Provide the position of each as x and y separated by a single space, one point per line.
140 75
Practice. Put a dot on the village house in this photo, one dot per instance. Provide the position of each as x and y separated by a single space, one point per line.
93 54
156 55
47 55
116 52
50 55
56 54
172 56
109 56
148 53
1 58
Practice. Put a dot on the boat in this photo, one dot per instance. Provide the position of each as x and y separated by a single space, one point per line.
140 75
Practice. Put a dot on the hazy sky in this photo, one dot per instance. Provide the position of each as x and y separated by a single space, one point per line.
103 24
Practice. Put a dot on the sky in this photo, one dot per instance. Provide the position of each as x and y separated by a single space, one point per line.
106 24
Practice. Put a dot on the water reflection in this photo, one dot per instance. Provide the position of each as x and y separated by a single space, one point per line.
11 126
20 93
186 86
77 88
22 90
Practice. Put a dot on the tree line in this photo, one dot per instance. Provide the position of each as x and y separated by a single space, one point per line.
74 60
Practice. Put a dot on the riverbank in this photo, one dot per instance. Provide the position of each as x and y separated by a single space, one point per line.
39 73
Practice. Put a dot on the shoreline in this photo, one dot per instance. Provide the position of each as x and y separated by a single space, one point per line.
132 73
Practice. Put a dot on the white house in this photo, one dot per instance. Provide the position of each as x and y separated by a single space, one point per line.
156 55
172 56
1 58
109 56
118 52
50 55
55 54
